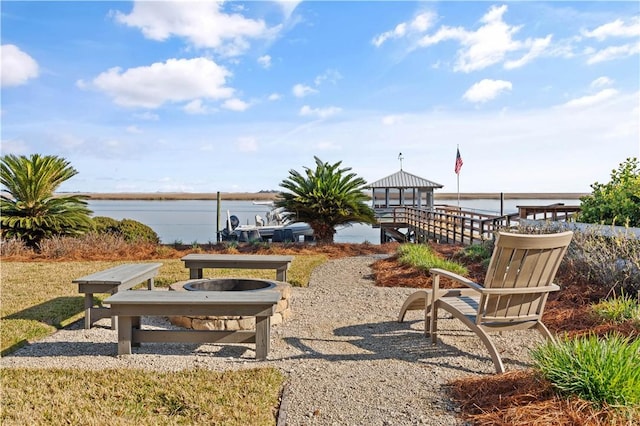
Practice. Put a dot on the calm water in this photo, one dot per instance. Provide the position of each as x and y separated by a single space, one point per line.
191 221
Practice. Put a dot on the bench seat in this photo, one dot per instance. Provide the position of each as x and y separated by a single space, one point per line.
197 262
112 280
131 305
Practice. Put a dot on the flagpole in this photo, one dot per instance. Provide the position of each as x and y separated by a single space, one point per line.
458 175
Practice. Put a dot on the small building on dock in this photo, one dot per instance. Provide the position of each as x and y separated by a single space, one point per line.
402 189
398 191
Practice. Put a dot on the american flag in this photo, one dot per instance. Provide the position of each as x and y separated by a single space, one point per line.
458 162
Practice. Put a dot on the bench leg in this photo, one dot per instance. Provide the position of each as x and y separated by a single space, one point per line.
263 339
195 273
150 283
281 275
124 336
88 304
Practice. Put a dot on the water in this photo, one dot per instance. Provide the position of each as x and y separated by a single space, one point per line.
194 221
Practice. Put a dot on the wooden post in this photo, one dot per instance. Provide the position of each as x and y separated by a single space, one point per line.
218 217
502 204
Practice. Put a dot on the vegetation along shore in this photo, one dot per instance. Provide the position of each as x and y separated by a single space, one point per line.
269 196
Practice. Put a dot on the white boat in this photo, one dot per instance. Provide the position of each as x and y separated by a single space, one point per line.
274 227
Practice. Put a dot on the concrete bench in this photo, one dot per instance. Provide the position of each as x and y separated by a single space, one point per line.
197 262
129 306
122 277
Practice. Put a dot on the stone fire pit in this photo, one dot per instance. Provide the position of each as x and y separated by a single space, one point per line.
232 323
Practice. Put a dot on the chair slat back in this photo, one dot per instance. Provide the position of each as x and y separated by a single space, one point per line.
521 261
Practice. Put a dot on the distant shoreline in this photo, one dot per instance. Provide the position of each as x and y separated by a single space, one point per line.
269 196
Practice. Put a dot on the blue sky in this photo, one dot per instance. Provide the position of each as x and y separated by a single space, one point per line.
229 96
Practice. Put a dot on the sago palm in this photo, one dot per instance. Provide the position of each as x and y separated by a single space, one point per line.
30 210
324 198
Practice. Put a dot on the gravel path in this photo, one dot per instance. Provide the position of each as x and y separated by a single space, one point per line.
348 361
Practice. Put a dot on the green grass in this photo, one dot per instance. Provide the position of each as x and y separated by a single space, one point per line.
601 370
126 397
39 297
618 309
423 257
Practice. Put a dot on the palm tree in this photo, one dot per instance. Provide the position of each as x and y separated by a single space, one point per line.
30 210
324 198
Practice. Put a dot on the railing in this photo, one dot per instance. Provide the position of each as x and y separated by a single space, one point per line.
446 224
551 212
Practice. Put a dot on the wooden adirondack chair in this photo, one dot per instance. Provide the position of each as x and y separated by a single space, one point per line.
519 279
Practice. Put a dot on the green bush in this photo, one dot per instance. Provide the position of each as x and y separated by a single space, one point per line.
131 230
104 225
605 371
616 202
423 257
618 309
134 231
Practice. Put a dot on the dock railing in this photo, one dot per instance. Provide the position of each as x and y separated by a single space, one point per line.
445 223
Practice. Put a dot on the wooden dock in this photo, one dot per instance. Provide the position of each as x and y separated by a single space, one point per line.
455 225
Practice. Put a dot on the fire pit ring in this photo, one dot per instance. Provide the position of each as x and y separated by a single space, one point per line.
241 285
229 284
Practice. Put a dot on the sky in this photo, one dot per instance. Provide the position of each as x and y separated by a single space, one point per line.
180 96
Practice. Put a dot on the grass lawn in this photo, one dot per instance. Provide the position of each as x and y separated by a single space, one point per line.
39 297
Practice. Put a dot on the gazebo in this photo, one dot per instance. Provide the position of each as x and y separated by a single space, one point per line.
402 189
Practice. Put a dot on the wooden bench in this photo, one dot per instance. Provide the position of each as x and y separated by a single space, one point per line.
197 262
122 277
129 306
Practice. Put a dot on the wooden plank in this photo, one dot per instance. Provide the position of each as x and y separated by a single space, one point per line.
194 297
193 336
122 273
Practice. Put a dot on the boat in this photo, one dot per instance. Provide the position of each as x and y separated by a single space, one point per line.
273 227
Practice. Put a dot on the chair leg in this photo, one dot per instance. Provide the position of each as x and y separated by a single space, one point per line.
419 300
544 331
491 347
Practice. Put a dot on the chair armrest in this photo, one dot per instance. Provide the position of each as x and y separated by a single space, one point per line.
520 290
456 277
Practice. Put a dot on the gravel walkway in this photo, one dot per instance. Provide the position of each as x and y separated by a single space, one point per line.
348 361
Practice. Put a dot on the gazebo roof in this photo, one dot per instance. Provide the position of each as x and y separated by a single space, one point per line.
403 179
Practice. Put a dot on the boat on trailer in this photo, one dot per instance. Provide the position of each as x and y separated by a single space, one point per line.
274 227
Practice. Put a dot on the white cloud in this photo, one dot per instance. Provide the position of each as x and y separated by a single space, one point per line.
175 80
265 61
134 130
147 115
202 23
17 66
486 90
275 96
617 28
591 100
330 75
601 82
307 111
419 24
613 52
489 44
14 146
235 104
536 48
301 90
390 120
288 6
327 146
247 144
195 107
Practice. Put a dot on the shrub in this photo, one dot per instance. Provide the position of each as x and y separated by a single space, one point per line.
605 371
608 260
104 225
618 309
14 247
616 202
423 257
136 232
477 253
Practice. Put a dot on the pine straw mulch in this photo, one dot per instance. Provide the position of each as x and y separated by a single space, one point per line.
521 397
